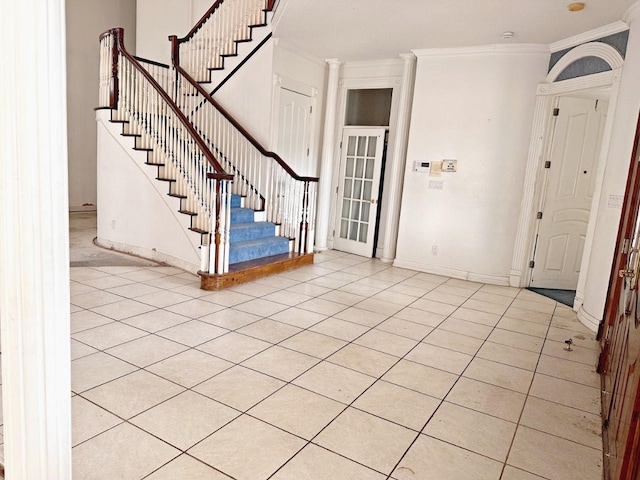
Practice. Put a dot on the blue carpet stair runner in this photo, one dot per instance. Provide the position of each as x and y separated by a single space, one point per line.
250 239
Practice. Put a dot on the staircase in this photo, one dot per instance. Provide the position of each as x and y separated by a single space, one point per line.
253 214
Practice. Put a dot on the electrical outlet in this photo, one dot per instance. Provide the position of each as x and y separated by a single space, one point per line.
434 250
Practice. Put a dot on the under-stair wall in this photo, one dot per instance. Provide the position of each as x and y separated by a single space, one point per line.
136 215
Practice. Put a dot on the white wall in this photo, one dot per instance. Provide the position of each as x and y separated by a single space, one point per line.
85 21
157 19
476 106
614 183
136 214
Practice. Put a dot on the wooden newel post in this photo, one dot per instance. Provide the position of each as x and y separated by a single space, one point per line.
114 84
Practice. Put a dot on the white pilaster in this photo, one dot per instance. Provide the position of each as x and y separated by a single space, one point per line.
34 245
399 156
326 164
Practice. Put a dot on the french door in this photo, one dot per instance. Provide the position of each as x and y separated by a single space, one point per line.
357 209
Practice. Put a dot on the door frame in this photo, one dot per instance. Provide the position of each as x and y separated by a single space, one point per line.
346 84
542 128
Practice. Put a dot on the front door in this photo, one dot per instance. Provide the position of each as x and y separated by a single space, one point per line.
620 340
575 150
356 210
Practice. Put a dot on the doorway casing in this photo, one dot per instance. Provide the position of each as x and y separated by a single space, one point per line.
546 96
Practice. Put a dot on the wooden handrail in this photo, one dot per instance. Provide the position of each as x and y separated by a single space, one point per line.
118 34
175 57
207 14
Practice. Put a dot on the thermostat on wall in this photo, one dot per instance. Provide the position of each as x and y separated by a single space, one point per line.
422 167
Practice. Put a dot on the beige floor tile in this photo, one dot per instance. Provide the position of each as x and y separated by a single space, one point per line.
276 281
195 308
86 320
189 368
421 378
314 344
298 317
330 283
512 473
281 363
261 307
565 422
422 317
430 458
287 298
155 321
483 318
193 333
580 339
536 306
453 341
501 290
464 284
366 439
297 411
123 309
76 288
345 298
146 350
81 274
518 340
513 356
362 290
440 358
185 419
308 289
483 306
89 420
239 387
340 329
132 394
234 347
568 370
522 326
397 404
361 317
269 330
334 381
405 289
434 307
531 296
79 350
95 299
569 323
386 342
437 295
578 354
230 318
472 430
554 458
396 298
404 328
227 298
528 315
379 306
317 463
93 370
163 299
135 290
464 327
109 335
188 468
498 374
452 289
490 399
566 393
485 296
254 289
124 452
363 359
248 449
324 307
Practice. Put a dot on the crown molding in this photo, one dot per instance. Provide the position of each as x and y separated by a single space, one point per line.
516 49
591 35
284 45
632 13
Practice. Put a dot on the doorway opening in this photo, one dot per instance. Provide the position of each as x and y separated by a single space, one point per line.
574 144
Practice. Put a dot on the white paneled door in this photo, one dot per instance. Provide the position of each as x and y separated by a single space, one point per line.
574 154
357 205
294 131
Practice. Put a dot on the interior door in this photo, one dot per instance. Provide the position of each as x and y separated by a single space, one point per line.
356 211
620 340
294 131
575 150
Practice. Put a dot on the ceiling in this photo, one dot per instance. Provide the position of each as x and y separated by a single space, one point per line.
359 30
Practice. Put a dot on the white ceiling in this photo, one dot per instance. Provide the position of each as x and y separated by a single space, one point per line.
353 30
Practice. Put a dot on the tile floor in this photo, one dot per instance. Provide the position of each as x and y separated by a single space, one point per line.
346 369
